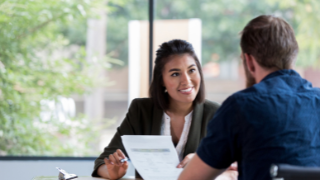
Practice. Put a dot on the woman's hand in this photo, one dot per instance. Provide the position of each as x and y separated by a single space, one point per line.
113 168
185 161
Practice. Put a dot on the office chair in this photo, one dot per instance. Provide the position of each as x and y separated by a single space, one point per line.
290 172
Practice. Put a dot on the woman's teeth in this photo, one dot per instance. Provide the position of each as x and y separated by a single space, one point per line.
186 90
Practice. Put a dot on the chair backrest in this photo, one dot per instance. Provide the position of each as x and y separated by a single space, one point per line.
291 172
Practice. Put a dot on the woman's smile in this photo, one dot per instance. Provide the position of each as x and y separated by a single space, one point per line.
186 91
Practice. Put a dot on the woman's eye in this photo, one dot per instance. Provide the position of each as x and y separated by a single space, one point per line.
175 74
192 70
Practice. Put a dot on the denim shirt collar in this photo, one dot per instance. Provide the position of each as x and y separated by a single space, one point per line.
285 72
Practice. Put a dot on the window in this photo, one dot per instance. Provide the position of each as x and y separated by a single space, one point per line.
69 71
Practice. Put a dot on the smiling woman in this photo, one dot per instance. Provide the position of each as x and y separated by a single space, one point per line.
181 79
176 64
176 108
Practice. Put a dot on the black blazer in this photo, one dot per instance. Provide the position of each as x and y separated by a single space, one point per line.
145 118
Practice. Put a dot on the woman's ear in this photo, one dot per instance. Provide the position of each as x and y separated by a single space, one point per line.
165 89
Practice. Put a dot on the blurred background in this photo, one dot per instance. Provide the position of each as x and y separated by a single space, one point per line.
70 68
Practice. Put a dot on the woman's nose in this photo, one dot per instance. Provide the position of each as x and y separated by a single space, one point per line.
185 78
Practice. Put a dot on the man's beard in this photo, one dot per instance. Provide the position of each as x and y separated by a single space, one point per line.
250 81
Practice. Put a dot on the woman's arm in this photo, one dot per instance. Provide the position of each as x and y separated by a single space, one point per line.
129 126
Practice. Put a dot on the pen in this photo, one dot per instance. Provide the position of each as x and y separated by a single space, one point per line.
124 160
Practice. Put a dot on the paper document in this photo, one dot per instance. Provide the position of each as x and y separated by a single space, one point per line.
154 157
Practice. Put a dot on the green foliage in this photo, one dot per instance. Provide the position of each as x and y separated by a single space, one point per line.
222 22
119 15
39 61
305 17
35 66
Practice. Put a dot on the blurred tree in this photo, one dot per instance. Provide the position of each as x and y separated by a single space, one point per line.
38 67
305 18
119 15
222 22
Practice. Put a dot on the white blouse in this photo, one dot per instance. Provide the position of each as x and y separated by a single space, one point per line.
165 130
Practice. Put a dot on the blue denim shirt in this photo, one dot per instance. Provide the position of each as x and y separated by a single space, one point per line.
274 121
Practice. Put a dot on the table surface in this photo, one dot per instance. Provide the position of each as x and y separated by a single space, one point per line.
81 178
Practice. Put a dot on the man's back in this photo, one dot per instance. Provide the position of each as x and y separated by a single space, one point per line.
274 121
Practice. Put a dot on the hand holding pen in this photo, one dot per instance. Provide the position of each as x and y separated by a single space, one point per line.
116 164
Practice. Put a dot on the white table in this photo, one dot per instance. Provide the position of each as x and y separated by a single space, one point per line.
81 178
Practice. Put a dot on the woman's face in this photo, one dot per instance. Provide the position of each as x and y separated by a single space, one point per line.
181 78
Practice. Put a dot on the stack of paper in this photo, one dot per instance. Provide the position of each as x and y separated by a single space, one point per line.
154 157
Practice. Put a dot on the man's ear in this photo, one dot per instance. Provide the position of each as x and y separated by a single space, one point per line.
250 64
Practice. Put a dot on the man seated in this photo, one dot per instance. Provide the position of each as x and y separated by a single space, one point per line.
275 120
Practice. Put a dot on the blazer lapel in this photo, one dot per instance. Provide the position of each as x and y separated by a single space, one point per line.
195 130
156 121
